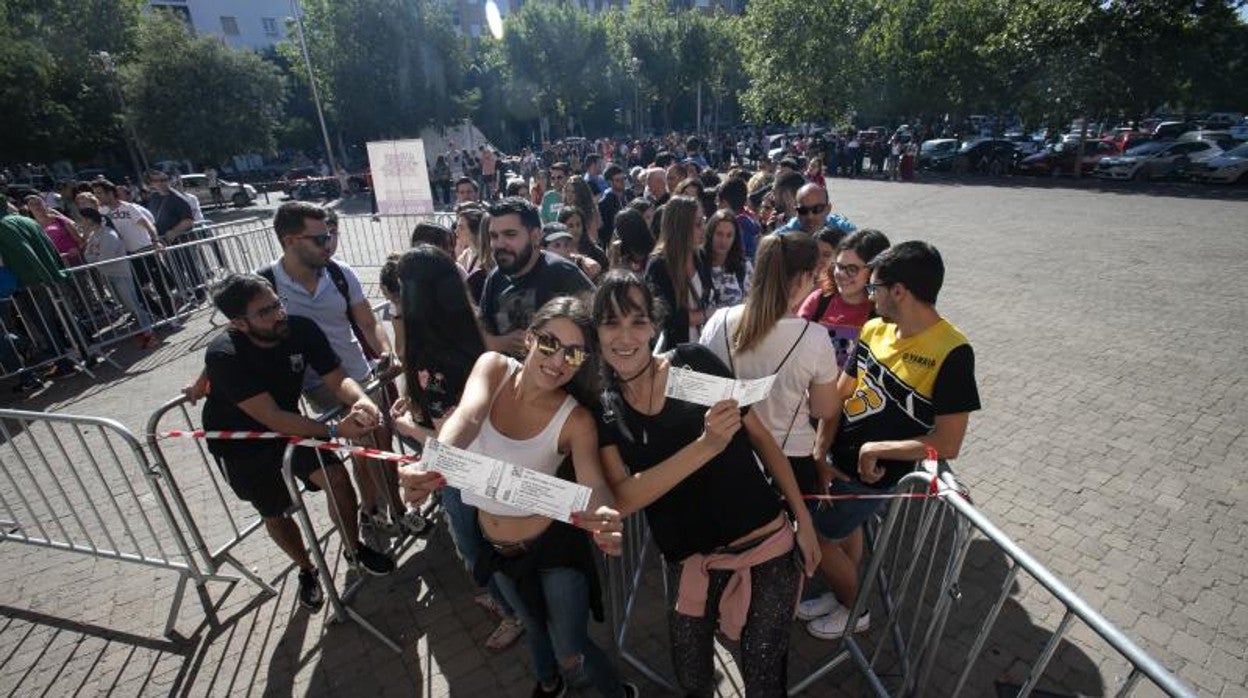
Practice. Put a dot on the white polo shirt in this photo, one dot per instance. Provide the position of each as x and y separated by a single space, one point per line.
328 309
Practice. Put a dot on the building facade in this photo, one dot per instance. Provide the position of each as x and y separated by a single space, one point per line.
253 24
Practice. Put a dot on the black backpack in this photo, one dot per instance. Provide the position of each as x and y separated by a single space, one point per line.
340 282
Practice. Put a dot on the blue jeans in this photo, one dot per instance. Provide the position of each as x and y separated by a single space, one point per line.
563 632
466 534
128 294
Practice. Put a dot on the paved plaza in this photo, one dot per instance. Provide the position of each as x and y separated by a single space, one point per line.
1105 321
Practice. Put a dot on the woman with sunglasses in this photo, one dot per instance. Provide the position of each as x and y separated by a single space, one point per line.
678 271
729 547
528 413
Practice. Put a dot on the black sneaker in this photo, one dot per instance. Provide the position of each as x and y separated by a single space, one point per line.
370 560
556 692
310 595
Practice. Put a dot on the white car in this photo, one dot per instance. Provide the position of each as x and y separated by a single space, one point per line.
1157 159
1230 166
1240 131
232 192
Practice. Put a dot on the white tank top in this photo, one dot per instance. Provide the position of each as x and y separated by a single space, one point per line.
540 453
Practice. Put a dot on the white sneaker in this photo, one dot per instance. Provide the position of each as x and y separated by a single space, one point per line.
822 605
832 626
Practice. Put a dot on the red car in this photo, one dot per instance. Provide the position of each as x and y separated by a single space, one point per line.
1059 159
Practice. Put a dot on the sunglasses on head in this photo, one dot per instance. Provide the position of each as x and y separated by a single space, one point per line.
549 345
816 209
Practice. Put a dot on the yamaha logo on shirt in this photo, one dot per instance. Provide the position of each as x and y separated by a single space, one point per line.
296 363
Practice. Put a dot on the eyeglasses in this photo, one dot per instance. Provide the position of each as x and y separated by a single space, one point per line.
817 209
847 269
321 240
270 310
550 345
872 288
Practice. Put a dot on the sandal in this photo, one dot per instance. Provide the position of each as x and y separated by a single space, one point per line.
505 635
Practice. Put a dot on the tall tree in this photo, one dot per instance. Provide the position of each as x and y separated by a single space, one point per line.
385 68
196 98
59 101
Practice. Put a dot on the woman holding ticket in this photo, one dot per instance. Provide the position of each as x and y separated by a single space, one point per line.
526 414
730 546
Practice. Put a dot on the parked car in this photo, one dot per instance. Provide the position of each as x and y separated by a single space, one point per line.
1156 159
1240 131
1230 166
937 154
1222 139
1059 158
1026 145
1168 130
991 155
238 194
1126 139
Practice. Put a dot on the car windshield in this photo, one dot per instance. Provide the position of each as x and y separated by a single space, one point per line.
938 146
1240 152
1148 148
966 147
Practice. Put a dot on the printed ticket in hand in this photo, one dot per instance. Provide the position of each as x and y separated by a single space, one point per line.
705 389
506 483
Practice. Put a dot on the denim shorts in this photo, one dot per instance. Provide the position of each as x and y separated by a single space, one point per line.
835 520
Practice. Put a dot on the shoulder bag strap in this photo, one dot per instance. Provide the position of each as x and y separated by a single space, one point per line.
797 409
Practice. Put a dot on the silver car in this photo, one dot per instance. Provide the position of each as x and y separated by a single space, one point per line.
231 192
1157 159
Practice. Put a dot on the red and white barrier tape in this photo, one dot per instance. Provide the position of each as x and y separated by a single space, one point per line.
374 453
933 490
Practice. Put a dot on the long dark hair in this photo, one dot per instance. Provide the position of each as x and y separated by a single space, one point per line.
584 384
614 298
441 335
734 262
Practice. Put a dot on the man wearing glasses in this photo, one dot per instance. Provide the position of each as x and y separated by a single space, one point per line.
815 213
256 369
910 386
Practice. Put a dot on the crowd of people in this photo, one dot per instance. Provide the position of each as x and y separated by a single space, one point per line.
543 330
50 315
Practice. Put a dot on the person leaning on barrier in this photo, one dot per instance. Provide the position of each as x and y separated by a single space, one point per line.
256 369
910 386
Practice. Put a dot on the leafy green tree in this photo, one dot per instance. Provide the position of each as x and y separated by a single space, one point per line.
59 101
559 51
196 98
384 68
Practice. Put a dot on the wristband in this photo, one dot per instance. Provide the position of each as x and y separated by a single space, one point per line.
333 431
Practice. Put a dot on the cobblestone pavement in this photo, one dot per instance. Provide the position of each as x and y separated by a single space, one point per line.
1105 321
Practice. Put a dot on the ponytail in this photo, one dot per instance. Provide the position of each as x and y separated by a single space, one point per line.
782 259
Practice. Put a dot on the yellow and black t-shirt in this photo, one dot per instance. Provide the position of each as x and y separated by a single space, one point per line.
902 385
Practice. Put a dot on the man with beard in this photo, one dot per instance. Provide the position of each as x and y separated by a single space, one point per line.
525 276
256 369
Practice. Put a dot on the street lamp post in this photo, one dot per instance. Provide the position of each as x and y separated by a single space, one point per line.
636 66
138 159
316 96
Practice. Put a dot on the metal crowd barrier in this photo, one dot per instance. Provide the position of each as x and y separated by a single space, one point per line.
915 567
340 602
70 484
930 622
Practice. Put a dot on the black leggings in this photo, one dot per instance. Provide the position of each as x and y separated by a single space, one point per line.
764 640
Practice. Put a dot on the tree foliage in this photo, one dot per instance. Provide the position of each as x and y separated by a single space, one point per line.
385 68
58 99
194 97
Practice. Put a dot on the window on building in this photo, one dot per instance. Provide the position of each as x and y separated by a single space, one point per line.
229 25
270 26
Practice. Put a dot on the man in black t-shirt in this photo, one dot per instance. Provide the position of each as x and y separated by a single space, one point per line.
525 276
255 370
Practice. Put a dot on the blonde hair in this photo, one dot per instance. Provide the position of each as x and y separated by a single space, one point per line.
675 245
782 259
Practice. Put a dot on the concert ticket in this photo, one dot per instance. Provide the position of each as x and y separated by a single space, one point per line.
705 389
506 483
